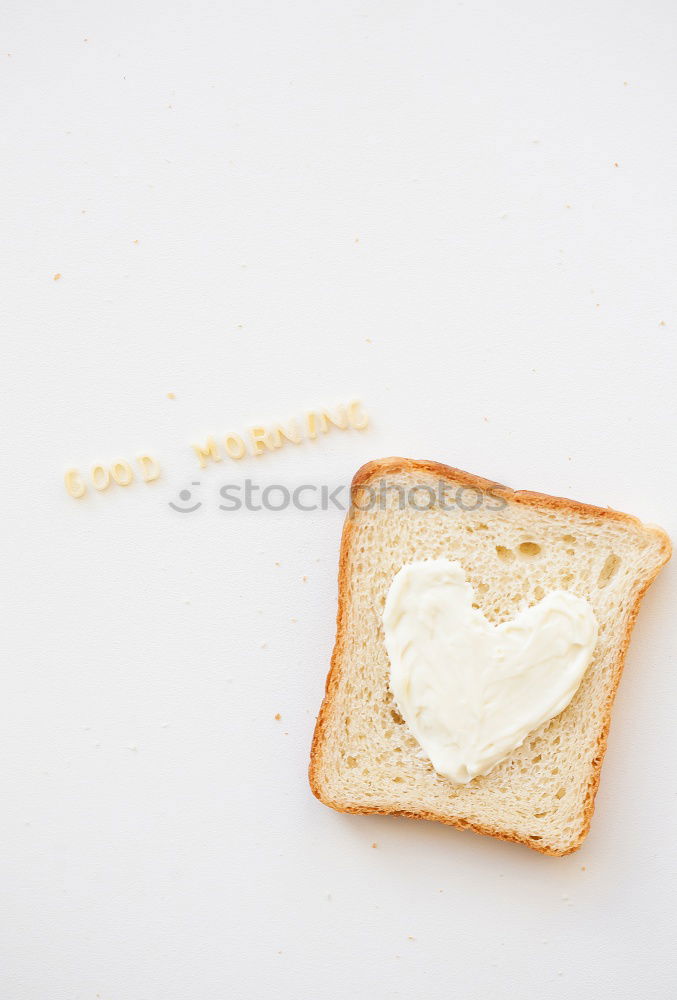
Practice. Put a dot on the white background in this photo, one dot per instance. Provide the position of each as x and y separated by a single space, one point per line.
461 213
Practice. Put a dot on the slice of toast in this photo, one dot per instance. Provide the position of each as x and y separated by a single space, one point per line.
515 547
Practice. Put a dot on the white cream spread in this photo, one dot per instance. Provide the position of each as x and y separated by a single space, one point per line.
469 691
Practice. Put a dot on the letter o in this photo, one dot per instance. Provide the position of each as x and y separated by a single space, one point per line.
122 473
235 446
265 497
479 495
100 477
411 499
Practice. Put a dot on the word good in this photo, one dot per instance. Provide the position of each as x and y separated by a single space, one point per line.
120 472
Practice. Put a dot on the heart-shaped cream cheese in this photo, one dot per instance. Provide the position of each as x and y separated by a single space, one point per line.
469 691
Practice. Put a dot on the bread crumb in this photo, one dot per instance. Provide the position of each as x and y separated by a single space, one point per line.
305 579
662 323
368 340
582 868
278 564
374 844
170 395
278 716
615 163
293 620
57 277
410 937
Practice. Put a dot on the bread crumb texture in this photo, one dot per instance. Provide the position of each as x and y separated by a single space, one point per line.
365 760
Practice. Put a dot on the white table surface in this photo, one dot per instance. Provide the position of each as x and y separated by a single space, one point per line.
462 214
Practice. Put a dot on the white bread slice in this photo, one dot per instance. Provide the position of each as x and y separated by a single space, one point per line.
363 758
